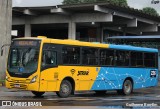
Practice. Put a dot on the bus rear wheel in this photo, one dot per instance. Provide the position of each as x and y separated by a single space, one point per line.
127 88
38 94
65 89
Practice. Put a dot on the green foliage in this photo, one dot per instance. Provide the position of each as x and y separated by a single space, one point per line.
150 10
102 0
118 2
88 1
71 1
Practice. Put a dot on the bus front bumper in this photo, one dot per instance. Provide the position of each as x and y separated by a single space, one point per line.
22 85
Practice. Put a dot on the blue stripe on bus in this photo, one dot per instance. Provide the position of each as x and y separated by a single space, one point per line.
126 47
110 78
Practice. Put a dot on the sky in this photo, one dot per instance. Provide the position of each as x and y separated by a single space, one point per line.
139 4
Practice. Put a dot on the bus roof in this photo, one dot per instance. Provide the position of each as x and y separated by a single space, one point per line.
66 42
132 48
81 43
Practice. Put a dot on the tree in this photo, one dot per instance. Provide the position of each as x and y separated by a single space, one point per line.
123 2
88 1
150 10
118 2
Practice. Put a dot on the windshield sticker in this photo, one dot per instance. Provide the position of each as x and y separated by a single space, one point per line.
21 69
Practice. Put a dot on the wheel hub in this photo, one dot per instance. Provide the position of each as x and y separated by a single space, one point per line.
127 88
65 88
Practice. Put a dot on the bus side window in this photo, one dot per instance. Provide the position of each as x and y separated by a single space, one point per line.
122 58
149 59
137 59
49 58
71 55
89 56
106 57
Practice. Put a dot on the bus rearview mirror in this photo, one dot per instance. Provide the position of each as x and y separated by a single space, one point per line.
2 48
1 52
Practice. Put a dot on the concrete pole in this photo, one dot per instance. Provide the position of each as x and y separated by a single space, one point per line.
72 30
27 28
100 34
27 31
5 32
124 31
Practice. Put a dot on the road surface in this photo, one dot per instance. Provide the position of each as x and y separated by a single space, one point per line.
148 97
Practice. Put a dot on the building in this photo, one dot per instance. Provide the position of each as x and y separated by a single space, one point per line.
95 22
5 34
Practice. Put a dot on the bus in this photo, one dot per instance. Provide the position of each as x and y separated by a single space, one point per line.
42 65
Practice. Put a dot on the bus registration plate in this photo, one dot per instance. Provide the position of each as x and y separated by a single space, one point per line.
17 85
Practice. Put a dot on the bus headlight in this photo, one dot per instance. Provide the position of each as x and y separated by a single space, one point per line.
34 79
7 78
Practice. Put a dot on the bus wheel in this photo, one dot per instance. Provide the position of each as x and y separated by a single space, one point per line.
65 89
38 94
127 88
100 92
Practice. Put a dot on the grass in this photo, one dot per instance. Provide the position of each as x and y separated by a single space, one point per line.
2 80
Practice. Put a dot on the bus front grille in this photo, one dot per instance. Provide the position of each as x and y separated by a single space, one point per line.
18 86
18 81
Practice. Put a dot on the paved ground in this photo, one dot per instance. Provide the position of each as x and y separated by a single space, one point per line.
140 98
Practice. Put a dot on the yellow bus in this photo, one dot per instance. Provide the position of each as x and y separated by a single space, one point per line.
44 65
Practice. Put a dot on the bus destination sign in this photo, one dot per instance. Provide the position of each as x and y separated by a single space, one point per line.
25 43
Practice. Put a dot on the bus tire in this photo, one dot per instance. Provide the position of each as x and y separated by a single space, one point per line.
127 87
100 92
38 94
65 89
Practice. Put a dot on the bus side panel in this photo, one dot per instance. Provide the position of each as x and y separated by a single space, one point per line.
47 80
104 78
110 78
83 77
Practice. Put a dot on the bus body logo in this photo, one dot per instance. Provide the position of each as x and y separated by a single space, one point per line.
73 71
83 73
153 73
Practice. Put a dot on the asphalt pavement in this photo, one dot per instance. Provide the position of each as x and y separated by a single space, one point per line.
143 98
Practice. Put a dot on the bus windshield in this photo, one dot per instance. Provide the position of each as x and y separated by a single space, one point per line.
23 59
